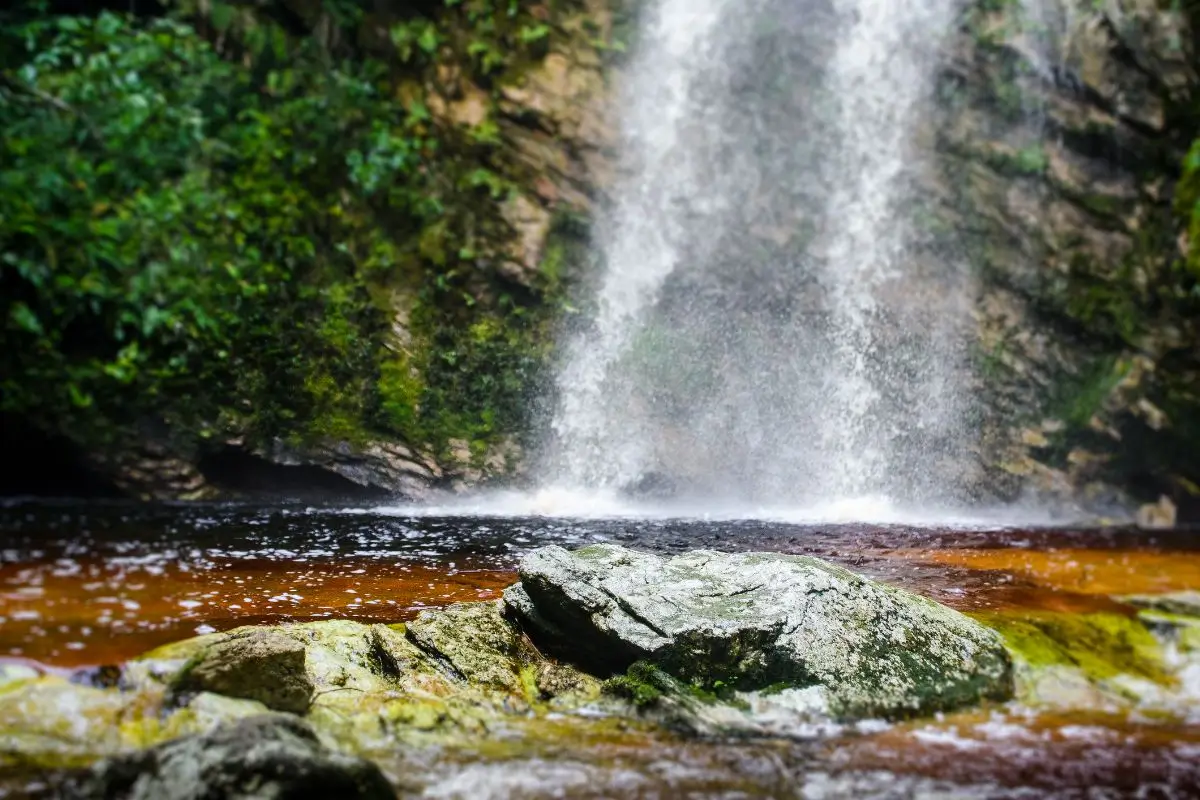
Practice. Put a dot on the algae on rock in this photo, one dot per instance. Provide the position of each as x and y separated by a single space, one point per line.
1092 661
257 665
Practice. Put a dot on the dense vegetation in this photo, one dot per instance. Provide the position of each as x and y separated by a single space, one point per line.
243 220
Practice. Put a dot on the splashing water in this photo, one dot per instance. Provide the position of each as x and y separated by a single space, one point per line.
646 244
765 329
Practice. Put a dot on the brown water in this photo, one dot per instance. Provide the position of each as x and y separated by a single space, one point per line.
84 586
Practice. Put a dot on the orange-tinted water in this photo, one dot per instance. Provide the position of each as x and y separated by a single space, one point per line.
90 611
86 586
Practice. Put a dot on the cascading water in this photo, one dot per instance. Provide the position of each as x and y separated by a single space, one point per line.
880 73
768 327
647 234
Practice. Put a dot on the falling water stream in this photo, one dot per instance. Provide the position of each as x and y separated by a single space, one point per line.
764 328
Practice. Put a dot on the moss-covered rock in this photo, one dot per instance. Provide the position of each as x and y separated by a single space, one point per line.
11 673
477 642
265 756
49 722
1185 603
260 665
1099 660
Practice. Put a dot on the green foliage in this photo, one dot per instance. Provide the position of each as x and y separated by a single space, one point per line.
1187 206
491 37
221 239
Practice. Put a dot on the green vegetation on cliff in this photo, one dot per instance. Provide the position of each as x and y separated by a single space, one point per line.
243 219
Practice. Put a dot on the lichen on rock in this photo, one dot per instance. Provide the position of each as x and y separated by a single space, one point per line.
50 722
477 642
261 665
749 621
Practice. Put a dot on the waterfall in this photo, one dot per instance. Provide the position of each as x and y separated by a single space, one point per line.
644 242
768 326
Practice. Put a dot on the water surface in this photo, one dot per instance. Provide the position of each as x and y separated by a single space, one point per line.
90 585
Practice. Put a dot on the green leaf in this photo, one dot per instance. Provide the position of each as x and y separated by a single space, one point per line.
23 317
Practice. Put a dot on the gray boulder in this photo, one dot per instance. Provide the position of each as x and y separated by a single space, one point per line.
269 757
755 621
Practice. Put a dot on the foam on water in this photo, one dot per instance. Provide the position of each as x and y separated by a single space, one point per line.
564 503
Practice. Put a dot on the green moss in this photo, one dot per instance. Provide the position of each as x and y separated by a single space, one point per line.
1102 646
527 678
643 684
990 362
1079 400
1183 629
1028 162
1102 205
399 388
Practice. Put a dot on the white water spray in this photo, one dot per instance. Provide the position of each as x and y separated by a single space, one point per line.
881 71
764 329
645 240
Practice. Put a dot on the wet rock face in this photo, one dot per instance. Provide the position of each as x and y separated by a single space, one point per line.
757 620
1061 129
262 665
267 757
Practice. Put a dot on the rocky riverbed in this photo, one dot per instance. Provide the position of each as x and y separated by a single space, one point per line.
611 672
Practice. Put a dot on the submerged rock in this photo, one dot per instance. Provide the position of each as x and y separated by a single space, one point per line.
757 620
265 757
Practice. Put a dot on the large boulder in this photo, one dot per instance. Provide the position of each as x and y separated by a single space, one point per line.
268 757
756 621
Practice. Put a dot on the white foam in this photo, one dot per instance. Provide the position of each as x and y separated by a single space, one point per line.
562 503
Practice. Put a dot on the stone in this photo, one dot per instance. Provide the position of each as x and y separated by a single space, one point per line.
755 620
477 642
1186 603
267 757
50 722
1157 516
13 672
1092 660
263 665
1175 616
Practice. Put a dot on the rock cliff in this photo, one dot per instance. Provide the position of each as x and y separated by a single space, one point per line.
1064 126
